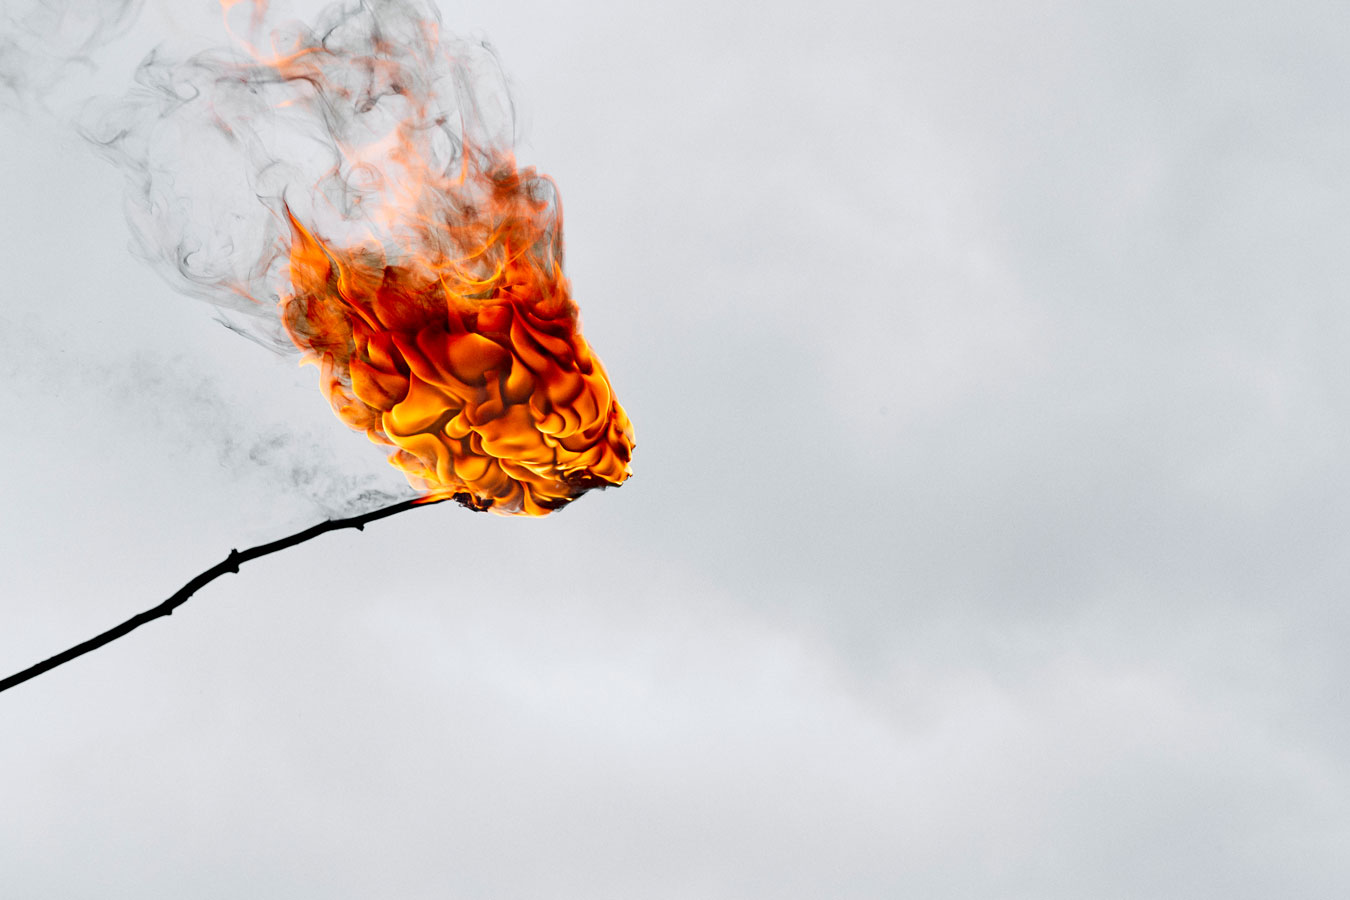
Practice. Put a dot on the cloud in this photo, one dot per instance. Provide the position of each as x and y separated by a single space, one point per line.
1066 620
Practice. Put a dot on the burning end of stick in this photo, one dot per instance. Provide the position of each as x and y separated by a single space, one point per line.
352 191
472 367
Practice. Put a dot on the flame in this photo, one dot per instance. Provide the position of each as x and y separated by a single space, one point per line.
472 366
432 297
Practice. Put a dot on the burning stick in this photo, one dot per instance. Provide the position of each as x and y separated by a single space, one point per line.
353 193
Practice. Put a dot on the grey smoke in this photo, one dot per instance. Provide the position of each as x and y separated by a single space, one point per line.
44 42
217 145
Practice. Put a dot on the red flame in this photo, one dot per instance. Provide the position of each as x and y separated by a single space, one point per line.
446 330
471 366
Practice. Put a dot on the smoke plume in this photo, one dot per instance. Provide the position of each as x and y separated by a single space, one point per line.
334 122
350 189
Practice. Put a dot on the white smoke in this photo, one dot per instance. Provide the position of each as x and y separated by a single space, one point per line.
332 121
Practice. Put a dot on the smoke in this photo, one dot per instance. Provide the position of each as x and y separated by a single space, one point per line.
210 142
345 125
285 461
348 188
42 42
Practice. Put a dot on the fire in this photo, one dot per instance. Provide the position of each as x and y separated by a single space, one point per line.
469 363
448 332
352 190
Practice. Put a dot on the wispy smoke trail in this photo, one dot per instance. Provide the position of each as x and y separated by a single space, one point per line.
336 123
41 41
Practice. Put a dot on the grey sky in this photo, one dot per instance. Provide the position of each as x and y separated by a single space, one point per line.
988 530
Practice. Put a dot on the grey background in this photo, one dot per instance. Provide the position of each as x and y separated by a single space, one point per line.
988 536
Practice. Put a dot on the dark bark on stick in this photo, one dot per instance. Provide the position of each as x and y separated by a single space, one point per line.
231 563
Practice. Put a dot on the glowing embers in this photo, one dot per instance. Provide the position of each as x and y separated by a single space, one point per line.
481 381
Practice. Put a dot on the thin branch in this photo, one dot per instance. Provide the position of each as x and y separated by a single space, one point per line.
231 563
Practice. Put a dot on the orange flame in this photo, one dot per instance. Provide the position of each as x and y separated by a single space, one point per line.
472 367
447 330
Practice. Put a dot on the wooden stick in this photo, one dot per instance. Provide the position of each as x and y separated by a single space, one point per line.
230 563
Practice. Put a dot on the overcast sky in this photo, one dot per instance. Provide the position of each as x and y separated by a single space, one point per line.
990 527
